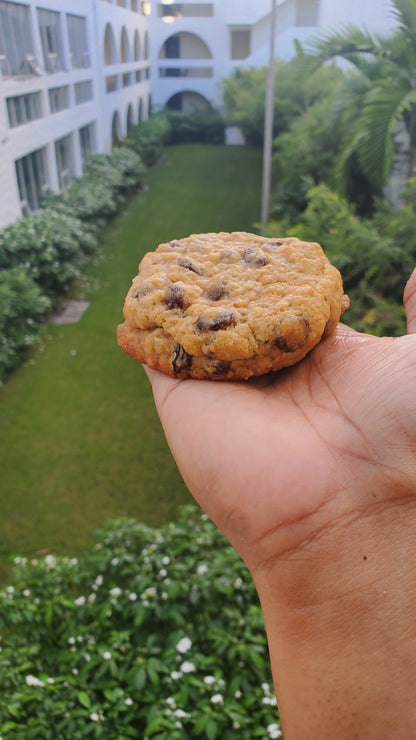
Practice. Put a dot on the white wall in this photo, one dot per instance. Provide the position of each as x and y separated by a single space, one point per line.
17 142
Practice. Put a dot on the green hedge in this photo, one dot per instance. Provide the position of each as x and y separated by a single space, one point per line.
148 138
22 307
375 256
42 254
154 634
191 127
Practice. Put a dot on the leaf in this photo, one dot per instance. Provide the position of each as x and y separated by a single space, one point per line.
211 729
84 699
140 679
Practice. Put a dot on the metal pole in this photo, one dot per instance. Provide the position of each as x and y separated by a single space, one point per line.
268 127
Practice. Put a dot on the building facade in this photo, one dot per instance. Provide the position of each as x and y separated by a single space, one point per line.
196 44
75 74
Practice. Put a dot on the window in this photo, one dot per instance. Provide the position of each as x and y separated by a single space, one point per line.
64 161
32 180
78 41
50 34
83 92
190 10
24 108
240 44
111 83
59 98
186 72
87 143
16 47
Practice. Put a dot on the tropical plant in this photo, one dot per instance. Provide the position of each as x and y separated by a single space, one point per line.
387 95
154 634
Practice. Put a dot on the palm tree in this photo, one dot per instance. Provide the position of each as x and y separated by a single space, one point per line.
387 89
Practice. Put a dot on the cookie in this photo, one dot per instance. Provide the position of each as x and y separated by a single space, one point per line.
229 306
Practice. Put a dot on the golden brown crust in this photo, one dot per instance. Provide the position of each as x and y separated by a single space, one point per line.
229 306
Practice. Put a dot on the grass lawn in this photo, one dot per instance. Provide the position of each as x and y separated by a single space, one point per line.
80 441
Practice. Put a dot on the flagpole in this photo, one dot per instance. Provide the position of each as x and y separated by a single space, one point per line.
268 127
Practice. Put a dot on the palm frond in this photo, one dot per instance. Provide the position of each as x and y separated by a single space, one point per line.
405 14
384 107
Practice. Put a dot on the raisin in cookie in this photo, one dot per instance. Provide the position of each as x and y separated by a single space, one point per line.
230 306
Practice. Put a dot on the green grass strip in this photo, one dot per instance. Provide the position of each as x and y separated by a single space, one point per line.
80 442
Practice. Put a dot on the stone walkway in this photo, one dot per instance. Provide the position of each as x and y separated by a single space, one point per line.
69 312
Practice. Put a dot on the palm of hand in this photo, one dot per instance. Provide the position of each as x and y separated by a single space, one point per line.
327 437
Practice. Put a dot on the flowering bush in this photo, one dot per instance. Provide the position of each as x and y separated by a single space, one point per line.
52 247
22 306
148 138
154 634
97 195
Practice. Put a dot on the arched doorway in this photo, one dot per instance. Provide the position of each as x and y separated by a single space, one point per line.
110 52
115 130
188 101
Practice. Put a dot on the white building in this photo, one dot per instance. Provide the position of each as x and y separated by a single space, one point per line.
74 74
196 44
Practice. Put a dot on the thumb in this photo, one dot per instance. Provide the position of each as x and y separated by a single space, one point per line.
409 300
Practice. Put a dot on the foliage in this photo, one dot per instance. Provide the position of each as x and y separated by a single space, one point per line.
148 138
387 64
375 256
314 150
107 181
22 307
54 245
155 633
297 86
51 246
188 127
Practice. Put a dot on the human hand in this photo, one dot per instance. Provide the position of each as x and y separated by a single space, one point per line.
311 474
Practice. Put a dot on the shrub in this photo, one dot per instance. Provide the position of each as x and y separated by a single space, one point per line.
148 138
374 264
156 634
22 307
195 126
107 181
51 246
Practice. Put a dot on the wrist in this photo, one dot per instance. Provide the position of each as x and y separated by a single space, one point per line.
341 628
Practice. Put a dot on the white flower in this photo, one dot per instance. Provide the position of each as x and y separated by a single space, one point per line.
80 601
10 589
114 561
201 570
26 592
71 640
163 573
187 667
51 680
132 596
238 695
175 675
180 714
94 716
170 701
209 680
274 730
33 681
99 580
128 702
116 591
270 701
50 561
107 655
184 645
217 699
266 689
166 560
87 657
